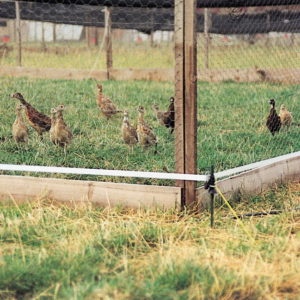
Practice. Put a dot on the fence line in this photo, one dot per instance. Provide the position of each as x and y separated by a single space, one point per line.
142 174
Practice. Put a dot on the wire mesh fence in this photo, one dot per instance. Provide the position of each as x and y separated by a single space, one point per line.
245 57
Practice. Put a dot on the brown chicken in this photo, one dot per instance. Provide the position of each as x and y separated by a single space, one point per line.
166 118
129 132
19 128
60 133
107 107
52 130
59 114
36 119
161 116
273 121
146 136
285 116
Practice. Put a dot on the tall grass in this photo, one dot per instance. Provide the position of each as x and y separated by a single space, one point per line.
50 251
231 125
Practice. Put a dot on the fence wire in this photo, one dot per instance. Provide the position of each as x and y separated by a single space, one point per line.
245 57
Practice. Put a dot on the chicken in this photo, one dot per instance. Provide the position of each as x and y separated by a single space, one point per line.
129 133
166 118
36 119
60 133
263 76
19 128
161 116
59 114
146 136
285 116
273 121
106 106
53 129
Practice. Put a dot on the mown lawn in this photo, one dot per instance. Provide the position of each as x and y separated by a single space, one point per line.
231 125
51 251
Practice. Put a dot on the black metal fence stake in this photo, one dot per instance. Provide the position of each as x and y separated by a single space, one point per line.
210 186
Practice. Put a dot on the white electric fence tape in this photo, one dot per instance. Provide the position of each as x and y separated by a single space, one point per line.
141 174
256 165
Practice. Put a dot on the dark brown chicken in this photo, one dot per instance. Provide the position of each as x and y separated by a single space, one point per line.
166 118
107 107
273 121
36 119
19 128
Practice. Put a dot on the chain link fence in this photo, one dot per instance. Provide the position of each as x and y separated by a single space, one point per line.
245 57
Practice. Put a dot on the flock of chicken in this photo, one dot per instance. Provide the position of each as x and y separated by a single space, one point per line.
61 135
142 133
276 121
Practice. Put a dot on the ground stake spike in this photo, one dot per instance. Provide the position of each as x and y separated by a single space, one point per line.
210 186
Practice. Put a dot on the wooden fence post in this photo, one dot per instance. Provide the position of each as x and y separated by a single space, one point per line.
207 25
186 96
108 41
18 30
43 37
54 32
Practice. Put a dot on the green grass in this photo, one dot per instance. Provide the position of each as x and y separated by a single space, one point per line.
129 55
243 56
79 56
231 125
50 251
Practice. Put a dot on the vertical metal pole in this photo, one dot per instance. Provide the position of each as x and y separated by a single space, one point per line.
18 30
186 96
210 186
212 208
